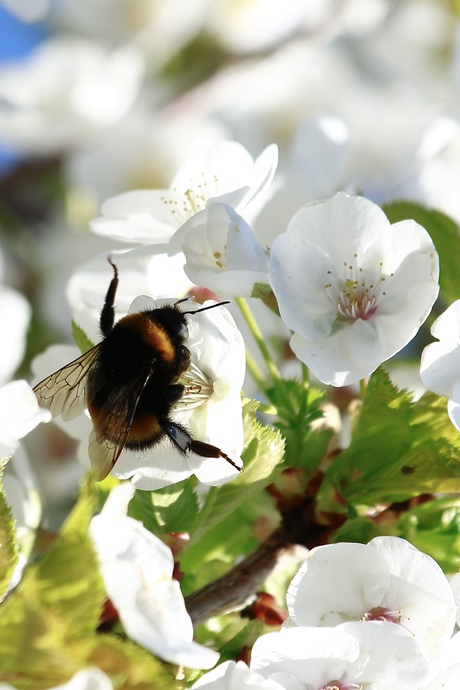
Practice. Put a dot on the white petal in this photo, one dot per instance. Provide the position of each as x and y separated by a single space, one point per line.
453 408
298 275
313 655
337 583
137 570
19 414
441 360
139 216
390 657
340 226
14 311
233 675
154 615
153 468
331 359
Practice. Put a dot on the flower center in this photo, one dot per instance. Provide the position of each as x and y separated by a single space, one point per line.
198 388
356 293
380 613
184 204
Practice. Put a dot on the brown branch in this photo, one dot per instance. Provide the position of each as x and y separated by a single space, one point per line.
300 526
232 590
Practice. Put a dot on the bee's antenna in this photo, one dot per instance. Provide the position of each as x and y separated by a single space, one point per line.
211 306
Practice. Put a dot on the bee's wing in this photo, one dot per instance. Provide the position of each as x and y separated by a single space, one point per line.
112 426
63 393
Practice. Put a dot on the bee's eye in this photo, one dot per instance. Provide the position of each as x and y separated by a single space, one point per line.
182 330
172 319
179 329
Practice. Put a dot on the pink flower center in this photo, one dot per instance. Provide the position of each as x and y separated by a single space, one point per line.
356 293
356 301
380 613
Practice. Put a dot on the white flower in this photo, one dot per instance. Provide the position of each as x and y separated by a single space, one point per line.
19 414
137 570
440 365
387 579
218 368
233 675
64 93
15 312
222 253
226 174
353 288
451 671
350 656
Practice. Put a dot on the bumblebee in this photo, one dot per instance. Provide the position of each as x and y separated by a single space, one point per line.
130 383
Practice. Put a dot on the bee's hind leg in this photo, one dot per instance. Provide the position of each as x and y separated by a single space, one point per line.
186 444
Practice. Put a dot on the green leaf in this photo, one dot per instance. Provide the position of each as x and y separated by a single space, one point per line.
48 623
264 292
244 638
445 234
172 509
129 666
382 435
434 528
57 602
9 552
299 405
359 529
210 556
81 339
262 457
399 449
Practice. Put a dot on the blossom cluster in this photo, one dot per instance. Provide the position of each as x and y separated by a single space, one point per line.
264 168
380 615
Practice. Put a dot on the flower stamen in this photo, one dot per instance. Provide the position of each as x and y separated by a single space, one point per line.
197 387
380 613
184 204
357 293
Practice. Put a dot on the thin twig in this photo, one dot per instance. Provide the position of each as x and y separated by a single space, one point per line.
232 590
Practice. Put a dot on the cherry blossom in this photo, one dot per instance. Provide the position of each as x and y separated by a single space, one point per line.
227 173
440 365
137 570
385 580
350 656
222 253
353 288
